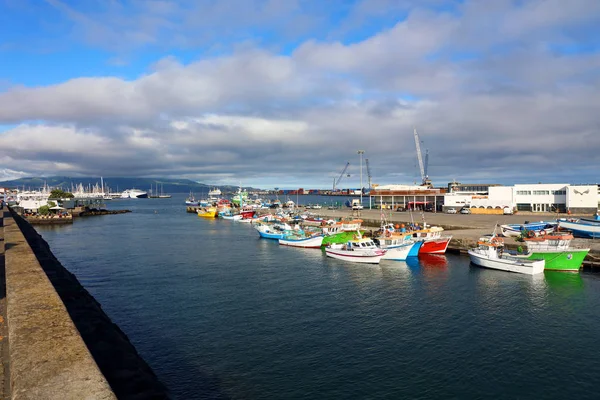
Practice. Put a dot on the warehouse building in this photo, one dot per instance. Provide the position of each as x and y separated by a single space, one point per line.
543 198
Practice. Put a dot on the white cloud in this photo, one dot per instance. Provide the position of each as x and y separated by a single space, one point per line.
488 94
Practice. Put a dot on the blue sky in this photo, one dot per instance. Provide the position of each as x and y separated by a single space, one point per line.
219 91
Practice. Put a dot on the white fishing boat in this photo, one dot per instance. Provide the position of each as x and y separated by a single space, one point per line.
489 253
307 242
398 247
358 250
234 217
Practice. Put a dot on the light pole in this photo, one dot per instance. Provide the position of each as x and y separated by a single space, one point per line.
360 153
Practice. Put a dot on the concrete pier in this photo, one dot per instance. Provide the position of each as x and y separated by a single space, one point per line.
61 344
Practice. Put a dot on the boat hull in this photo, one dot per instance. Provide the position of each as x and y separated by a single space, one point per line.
247 214
435 246
415 250
568 260
269 235
579 229
313 242
210 213
345 255
402 252
526 267
236 217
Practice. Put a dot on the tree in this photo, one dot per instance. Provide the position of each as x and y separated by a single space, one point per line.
44 210
60 194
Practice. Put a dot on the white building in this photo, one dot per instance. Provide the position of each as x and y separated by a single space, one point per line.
556 197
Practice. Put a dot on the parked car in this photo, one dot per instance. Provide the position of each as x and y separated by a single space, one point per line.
451 211
465 211
507 211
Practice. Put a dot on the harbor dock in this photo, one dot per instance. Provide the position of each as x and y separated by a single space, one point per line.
465 229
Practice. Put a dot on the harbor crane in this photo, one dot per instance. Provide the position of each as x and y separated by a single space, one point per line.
425 181
337 181
368 172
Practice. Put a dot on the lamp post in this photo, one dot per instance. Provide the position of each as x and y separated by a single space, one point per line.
360 153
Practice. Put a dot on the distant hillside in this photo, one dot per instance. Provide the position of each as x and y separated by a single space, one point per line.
119 184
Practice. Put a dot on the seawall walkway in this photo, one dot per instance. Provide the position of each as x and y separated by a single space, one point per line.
61 345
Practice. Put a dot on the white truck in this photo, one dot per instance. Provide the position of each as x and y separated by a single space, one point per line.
356 204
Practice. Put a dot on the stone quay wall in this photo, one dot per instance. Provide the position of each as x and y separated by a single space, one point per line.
61 343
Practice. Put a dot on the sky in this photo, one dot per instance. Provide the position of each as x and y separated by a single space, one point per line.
283 93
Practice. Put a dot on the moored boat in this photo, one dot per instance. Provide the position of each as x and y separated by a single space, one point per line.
234 217
296 240
273 231
489 253
208 212
398 247
433 240
582 227
556 250
359 250
340 232
191 200
529 228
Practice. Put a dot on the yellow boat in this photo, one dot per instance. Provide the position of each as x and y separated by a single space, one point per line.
210 212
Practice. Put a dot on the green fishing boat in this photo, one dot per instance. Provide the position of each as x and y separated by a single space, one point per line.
561 260
341 231
340 237
556 250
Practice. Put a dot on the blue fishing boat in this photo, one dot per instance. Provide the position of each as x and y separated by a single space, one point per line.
582 227
275 231
531 228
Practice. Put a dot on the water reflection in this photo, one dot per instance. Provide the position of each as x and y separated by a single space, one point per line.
564 281
398 274
433 261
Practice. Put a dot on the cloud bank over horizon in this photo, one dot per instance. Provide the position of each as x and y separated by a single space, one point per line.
283 94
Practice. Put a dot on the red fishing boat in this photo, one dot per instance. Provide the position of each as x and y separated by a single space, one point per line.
433 240
247 213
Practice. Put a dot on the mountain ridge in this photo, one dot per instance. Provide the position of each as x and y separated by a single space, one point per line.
118 184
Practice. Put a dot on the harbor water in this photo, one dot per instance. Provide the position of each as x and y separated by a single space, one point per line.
219 313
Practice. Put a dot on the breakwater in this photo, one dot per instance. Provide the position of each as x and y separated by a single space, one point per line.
61 343
90 213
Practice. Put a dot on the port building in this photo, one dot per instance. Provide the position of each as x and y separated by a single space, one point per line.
541 197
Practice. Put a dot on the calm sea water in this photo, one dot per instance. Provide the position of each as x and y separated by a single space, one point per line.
219 313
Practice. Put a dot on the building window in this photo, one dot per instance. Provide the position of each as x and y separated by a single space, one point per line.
523 207
523 192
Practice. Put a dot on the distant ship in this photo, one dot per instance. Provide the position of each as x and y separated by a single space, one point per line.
214 193
134 194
